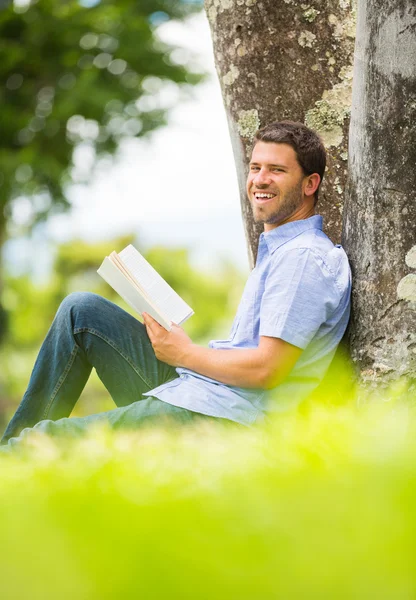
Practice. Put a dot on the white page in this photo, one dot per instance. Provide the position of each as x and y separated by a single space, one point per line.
123 286
162 295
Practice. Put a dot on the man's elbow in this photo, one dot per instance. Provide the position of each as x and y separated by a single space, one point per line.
275 368
270 378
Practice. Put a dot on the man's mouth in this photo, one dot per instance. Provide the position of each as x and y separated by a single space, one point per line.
262 197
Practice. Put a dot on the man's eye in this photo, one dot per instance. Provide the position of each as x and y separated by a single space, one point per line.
278 170
254 168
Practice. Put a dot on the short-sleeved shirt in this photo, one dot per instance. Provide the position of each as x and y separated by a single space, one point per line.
299 291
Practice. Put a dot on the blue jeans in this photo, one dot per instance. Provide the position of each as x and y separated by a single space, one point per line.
89 331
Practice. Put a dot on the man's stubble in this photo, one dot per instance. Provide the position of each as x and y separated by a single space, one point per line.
290 203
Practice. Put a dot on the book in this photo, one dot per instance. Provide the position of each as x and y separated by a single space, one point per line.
141 286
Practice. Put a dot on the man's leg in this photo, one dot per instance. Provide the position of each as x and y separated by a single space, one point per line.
133 417
88 331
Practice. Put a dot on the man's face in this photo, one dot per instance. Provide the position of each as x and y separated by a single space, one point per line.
275 184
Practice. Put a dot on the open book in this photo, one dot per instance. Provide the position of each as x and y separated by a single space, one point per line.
141 286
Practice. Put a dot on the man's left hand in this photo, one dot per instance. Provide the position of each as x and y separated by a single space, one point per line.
169 346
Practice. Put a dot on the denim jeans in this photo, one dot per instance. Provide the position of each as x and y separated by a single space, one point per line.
89 331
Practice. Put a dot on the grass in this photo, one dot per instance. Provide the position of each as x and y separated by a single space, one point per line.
320 505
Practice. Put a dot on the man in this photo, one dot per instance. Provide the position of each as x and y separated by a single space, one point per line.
293 313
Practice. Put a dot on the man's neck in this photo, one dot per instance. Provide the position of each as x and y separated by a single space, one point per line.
300 215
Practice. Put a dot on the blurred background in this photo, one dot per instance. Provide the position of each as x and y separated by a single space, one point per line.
112 131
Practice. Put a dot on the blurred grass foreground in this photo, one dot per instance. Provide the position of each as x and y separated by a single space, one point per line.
314 505
318 504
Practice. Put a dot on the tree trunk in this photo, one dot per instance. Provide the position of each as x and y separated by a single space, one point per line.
280 59
380 211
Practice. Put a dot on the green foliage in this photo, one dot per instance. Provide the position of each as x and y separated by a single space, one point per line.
322 507
212 297
78 73
78 256
31 308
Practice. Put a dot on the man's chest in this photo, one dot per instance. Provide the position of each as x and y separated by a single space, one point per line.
245 327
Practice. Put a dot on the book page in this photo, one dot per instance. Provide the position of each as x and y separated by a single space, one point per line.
116 260
154 286
130 293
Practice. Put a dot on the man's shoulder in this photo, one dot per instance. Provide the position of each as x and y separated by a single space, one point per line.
321 253
313 241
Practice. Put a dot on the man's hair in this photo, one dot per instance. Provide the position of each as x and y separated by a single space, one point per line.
308 146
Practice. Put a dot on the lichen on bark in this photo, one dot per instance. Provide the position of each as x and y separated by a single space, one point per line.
329 114
248 123
410 258
406 290
310 14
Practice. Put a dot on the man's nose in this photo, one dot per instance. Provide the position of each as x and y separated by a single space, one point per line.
261 179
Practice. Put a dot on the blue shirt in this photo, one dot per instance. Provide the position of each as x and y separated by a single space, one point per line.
299 291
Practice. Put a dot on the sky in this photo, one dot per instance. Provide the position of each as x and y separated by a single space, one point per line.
179 188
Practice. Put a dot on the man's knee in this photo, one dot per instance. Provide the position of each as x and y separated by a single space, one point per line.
85 310
80 301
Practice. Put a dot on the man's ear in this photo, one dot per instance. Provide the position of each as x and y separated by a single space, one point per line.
312 184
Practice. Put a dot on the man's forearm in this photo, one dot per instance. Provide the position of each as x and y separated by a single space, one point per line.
262 367
239 367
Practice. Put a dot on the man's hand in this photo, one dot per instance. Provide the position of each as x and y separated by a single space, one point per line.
170 346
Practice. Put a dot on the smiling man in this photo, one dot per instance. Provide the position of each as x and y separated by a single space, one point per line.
278 189
292 315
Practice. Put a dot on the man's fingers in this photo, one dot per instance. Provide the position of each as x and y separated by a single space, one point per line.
148 323
148 320
152 327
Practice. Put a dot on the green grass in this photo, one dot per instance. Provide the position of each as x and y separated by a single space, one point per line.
315 506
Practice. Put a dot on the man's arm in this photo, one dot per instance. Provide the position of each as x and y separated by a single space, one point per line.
263 367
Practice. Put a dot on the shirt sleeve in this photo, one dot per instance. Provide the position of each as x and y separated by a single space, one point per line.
300 296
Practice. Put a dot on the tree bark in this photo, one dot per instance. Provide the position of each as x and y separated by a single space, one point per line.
380 211
280 59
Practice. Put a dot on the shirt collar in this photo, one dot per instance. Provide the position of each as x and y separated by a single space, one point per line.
284 233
